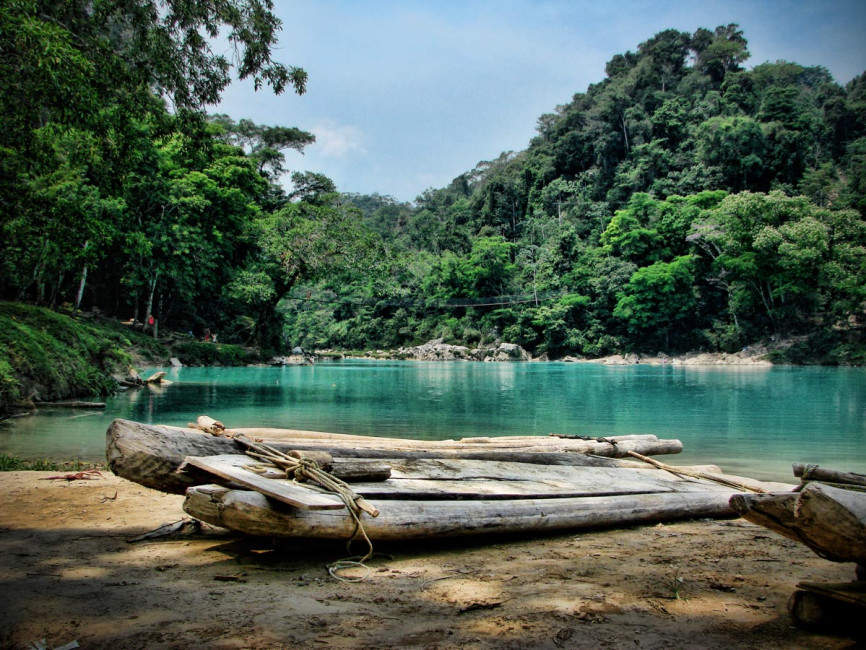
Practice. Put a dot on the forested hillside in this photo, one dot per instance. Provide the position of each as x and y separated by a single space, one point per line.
118 191
683 202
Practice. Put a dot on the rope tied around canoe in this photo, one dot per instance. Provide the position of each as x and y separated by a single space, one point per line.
306 469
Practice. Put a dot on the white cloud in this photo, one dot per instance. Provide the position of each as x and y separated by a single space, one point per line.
335 140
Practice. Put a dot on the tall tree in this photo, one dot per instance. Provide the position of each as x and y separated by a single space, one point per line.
309 238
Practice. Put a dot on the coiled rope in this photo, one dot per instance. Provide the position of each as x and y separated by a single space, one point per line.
300 469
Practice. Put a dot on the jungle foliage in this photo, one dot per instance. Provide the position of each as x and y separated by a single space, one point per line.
682 202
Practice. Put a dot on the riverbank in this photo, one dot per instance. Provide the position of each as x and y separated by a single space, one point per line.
48 355
437 350
71 575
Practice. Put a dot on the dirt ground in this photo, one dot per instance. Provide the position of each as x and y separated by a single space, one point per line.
68 574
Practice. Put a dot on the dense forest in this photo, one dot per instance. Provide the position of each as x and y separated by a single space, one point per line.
684 202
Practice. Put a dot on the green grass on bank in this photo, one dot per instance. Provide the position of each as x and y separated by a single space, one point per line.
52 355
199 353
49 355
13 464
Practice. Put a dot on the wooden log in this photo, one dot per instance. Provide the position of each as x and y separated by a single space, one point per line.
540 454
833 521
72 405
772 511
829 520
837 608
208 424
360 469
551 442
156 377
277 435
322 458
253 513
152 455
815 473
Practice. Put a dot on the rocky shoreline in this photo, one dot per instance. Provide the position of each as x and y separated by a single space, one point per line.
438 350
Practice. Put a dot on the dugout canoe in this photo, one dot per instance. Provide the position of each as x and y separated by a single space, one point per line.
253 513
829 519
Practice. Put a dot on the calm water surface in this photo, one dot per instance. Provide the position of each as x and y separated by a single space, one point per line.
750 421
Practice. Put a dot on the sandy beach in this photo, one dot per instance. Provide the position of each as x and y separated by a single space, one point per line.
69 574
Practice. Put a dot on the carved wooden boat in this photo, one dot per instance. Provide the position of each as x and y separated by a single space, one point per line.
829 520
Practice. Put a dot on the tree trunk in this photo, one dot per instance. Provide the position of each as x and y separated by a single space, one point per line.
81 284
267 312
148 312
624 132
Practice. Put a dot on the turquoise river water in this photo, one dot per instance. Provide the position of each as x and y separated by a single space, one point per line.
751 421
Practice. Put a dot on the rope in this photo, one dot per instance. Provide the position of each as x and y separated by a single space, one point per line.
807 472
300 469
567 436
699 475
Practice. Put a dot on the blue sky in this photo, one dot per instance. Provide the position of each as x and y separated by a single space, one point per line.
406 95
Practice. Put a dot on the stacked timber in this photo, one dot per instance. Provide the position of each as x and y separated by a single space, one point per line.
256 481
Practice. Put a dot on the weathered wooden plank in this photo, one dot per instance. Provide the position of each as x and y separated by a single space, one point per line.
496 489
460 468
233 468
462 479
253 513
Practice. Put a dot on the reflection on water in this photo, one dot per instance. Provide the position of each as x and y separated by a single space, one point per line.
752 421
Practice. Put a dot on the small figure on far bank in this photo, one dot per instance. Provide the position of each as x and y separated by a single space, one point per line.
213 337
207 335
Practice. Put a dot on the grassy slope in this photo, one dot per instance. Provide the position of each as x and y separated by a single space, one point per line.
53 356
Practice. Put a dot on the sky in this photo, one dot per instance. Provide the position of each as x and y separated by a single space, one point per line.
406 95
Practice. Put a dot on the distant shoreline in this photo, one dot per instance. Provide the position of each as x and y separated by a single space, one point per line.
753 356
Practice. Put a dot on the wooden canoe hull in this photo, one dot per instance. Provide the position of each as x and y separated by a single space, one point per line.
829 520
252 513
